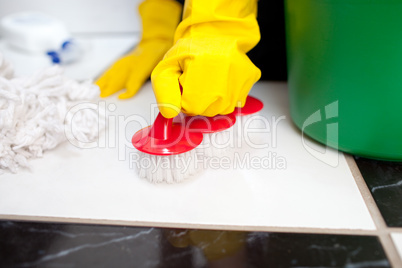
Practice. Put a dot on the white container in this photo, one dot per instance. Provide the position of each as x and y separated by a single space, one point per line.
33 31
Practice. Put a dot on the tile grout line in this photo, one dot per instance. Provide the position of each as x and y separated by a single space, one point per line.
383 231
395 229
366 194
277 229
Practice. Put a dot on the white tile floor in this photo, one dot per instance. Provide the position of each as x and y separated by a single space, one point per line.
99 183
397 238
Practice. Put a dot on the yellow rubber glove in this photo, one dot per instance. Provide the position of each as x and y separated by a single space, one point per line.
209 59
159 21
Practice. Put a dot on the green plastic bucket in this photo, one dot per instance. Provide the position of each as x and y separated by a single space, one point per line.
345 73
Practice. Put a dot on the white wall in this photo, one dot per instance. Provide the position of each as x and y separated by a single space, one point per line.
84 16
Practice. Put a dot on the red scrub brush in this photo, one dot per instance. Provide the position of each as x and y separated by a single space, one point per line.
216 132
246 116
166 151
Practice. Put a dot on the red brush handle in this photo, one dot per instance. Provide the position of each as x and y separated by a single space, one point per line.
162 128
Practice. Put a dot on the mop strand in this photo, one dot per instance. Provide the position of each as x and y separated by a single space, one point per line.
33 114
6 69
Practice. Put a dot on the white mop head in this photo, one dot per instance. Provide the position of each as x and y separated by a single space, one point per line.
33 113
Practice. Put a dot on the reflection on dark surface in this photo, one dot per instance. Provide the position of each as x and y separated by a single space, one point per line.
25 244
384 179
210 248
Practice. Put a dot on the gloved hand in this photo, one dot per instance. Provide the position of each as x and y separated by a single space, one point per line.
209 59
159 21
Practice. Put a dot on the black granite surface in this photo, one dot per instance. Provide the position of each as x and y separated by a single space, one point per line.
30 244
384 179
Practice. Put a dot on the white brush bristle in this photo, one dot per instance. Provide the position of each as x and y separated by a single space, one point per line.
215 144
169 168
